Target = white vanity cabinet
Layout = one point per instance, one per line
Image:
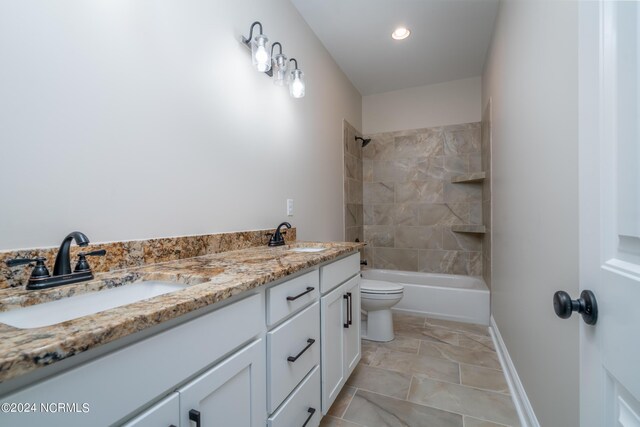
(340, 325)
(118, 384)
(276, 356)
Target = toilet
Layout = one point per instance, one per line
(377, 298)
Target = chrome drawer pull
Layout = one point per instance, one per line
(309, 289)
(310, 342)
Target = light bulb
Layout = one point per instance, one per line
(296, 85)
(297, 88)
(261, 57)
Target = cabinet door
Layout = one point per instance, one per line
(231, 394)
(163, 414)
(352, 333)
(332, 327)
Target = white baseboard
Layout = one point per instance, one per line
(520, 399)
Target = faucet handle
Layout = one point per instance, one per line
(21, 261)
(98, 252)
(82, 264)
(39, 271)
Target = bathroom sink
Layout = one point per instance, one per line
(308, 249)
(74, 307)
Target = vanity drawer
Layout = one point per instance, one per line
(290, 296)
(293, 349)
(331, 275)
(302, 405)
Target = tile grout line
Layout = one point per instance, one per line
(455, 329)
(458, 331)
(409, 390)
(457, 346)
(350, 401)
(480, 388)
(488, 350)
(377, 392)
(480, 419)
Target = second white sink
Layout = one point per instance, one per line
(308, 249)
(51, 313)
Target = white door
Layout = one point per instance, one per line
(609, 88)
(231, 394)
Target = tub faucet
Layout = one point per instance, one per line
(63, 259)
(277, 239)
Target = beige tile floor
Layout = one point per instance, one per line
(435, 373)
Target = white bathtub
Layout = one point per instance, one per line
(443, 296)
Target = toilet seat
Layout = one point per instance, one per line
(378, 287)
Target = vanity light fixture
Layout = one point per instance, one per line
(275, 66)
(400, 33)
(260, 52)
(296, 81)
(280, 65)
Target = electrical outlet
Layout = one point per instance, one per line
(289, 207)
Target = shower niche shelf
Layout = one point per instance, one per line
(468, 178)
(469, 228)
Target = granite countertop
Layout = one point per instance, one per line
(211, 279)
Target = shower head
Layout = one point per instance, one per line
(364, 141)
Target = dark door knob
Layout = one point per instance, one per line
(585, 305)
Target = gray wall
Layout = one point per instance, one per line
(152, 112)
(531, 78)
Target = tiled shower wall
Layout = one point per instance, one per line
(410, 204)
(352, 184)
(486, 193)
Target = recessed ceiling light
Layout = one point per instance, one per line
(400, 33)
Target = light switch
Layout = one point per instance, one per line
(289, 207)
